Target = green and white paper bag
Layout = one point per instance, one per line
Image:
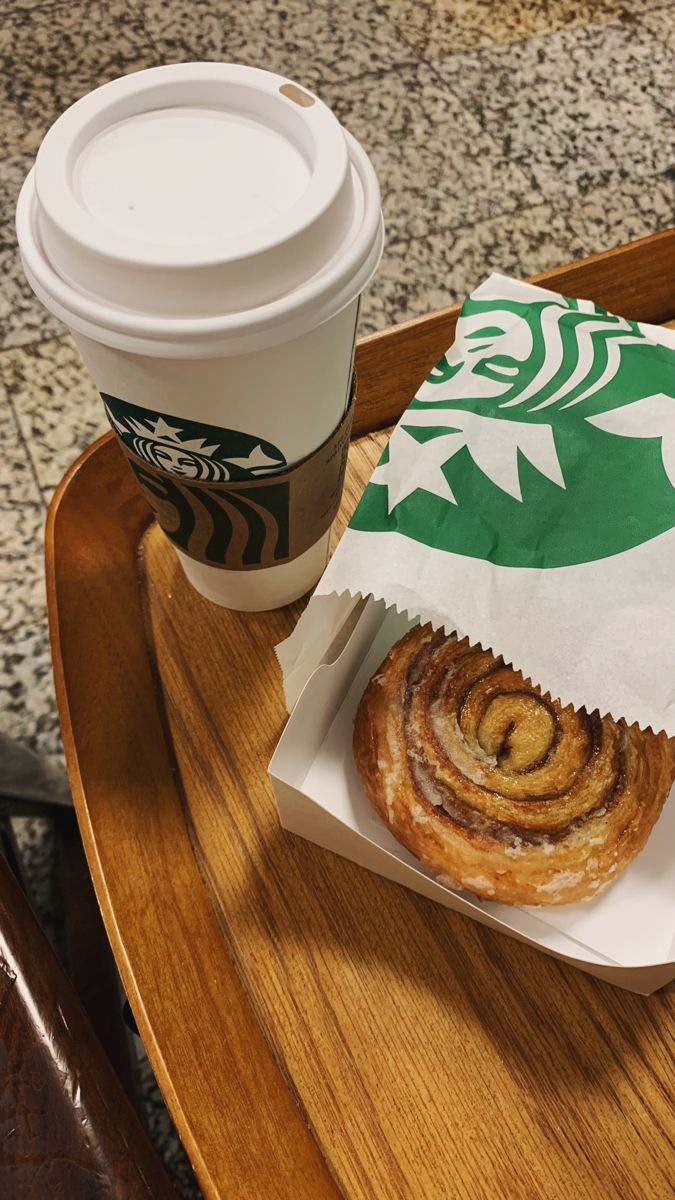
(527, 499)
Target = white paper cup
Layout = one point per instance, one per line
(205, 230)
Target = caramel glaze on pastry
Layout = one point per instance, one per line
(497, 788)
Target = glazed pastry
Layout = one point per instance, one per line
(497, 788)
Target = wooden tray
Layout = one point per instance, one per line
(318, 1031)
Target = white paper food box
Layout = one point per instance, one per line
(319, 797)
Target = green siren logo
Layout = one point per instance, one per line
(191, 449)
(545, 437)
(219, 494)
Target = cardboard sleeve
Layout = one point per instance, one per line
(251, 523)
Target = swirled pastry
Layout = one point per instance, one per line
(497, 788)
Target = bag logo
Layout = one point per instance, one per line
(544, 437)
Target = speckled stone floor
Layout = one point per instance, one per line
(507, 135)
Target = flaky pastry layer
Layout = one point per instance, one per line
(497, 788)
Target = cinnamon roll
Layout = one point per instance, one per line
(497, 788)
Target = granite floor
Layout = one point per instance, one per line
(507, 134)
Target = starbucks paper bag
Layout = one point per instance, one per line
(527, 499)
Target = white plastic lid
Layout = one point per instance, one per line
(199, 209)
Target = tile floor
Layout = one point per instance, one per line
(507, 134)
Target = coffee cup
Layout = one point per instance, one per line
(205, 230)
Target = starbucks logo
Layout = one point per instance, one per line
(220, 495)
(191, 449)
(545, 437)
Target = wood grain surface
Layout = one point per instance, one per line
(316, 1030)
(423, 1049)
(238, 1119)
